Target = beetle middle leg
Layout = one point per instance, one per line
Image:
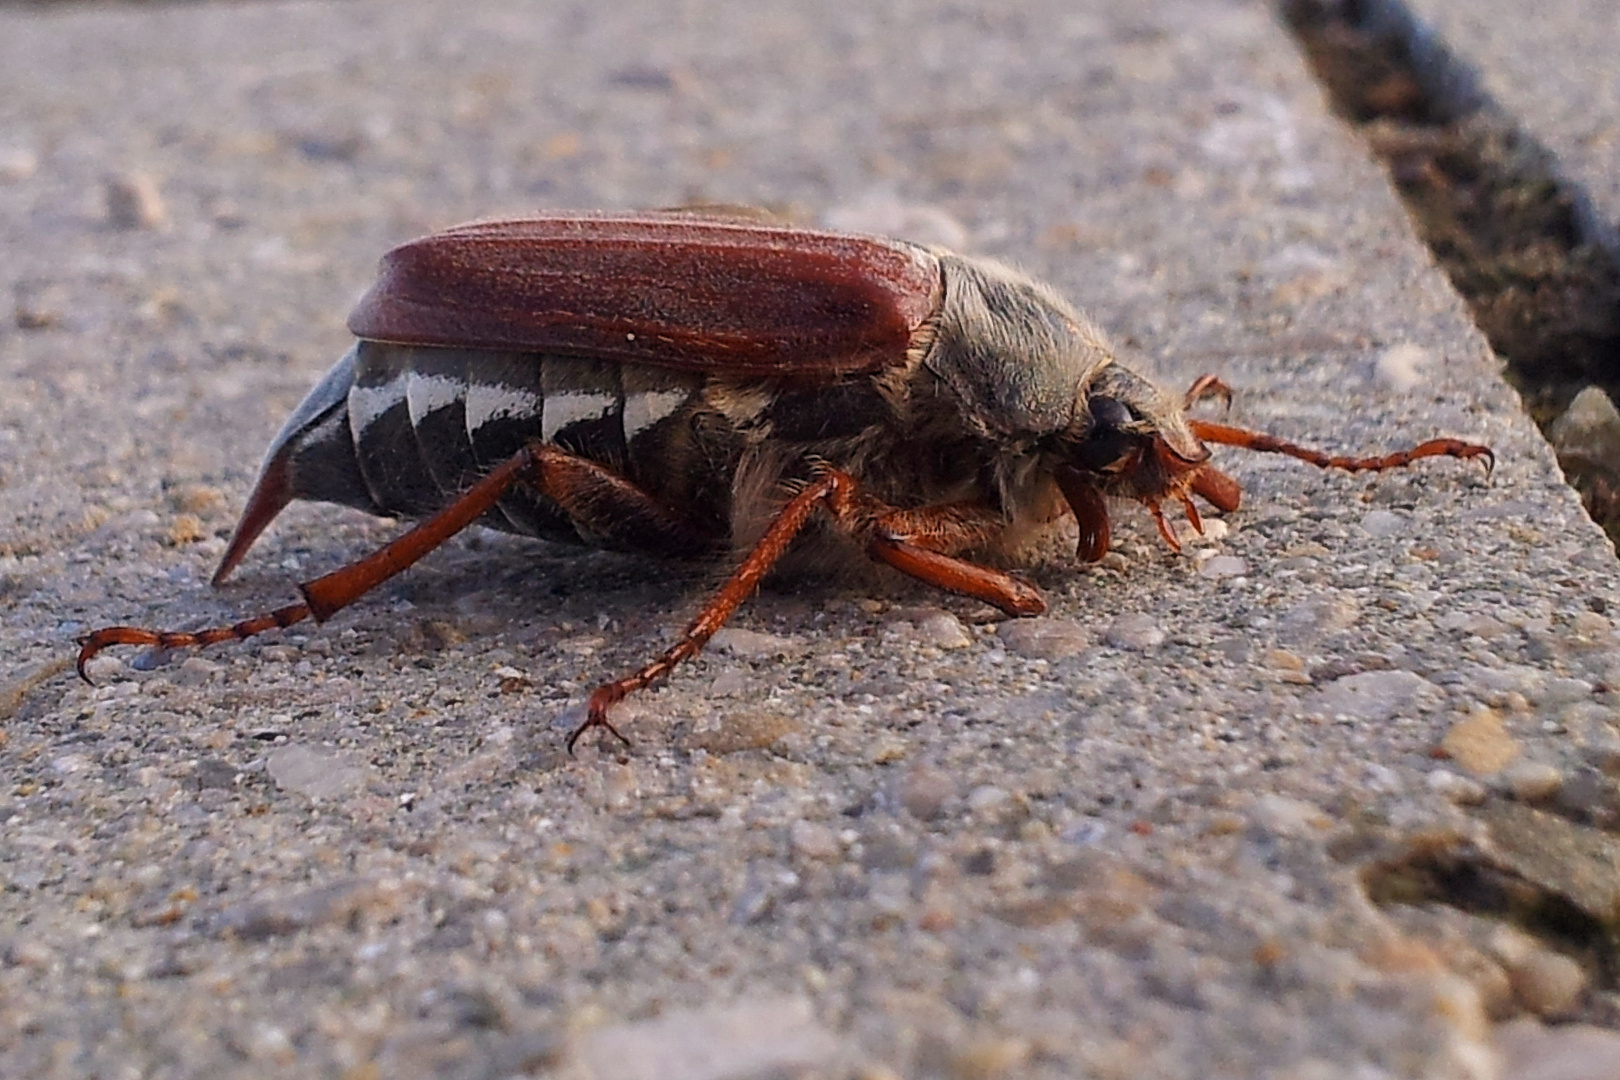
(918, 542)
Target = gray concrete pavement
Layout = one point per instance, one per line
(1153, 834)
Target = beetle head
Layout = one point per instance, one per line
(1130, 440)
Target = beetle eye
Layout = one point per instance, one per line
(1105, 447)
(1107, 412)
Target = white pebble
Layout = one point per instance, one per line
(813, 841)
(1400, 367)
(1547, 983)
(943, 630)
(315, 772)
(1532, 781)
(1375, 696)
(1383, 523)
(1456, 788)
(751, 644)
(1222, 566)
(986, 797)
(1134, 632)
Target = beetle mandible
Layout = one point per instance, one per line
(688, 384)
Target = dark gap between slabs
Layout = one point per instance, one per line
(1517, 241)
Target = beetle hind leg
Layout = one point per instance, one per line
(591, 494)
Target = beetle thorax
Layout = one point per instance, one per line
(1016, 354)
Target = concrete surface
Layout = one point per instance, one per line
(870, 835)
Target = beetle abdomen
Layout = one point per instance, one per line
(402, 430)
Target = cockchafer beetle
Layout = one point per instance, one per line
(689, 384)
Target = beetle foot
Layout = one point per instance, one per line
(596, 715)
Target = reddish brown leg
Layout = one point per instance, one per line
(922, 549)
(914, 542)
(742, 583)
(923, 543)
(1217, 489)
(577, 485)
(1090, 510)
(1254, 440)
(1164, 526)
(1192, 514)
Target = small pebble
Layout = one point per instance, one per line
(1383, 523)
(1374, 696)
(885, 749)
(195, 670)
(1562, 690)
(1480, 743)
(751, 644)
(1474, 623)
(184, 529)
(511, 680)
(1318, 618)
(1591, 627)
(1288, 816)
(1455, 788)
(1044, 639)
(943, 630)
(812, 840)
(1400, 367)
(1283, 660)
(1137, 632)
(1589, 430)
(315, 772)
(987, 798)
(1223, 566)
(729, 684)
(265, 1042)
(1532, 781)
(134, 202)
(1114, 561)
(1214, 531)
(924, 791)
(1547, 983)
(889, 892)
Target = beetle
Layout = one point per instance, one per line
(687, 384)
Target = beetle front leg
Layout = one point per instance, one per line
(1227, 435)
(921, 543)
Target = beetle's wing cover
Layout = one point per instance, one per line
(681, 290)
